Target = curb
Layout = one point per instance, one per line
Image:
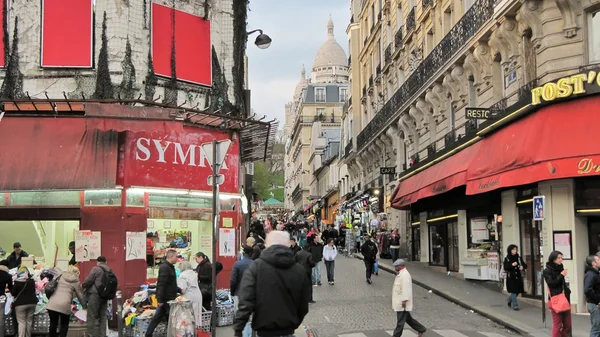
(457, 301)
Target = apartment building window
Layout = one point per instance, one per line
(372, 16)
(320, 111)
(594, 36)
(447, 20)
(429, 42)
(379, 52)
(320, 94)
(343, 94)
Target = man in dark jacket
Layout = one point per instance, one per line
(369, 253)
(5, 278)
(591, 289)
(14, 259)
(274, 290)
(96, 316)
(239, 267)
(315, 248)
(294, 246)
(166, 290)
(304, 258)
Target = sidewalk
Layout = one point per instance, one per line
(486, 302)
(227, 331)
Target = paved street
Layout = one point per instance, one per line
(353, 308)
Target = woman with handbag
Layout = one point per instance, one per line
(560, 302)
(59, 303)
(25, 301)
(514, 267)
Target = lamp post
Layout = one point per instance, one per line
(263, 41)
(215, 154)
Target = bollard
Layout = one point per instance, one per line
(119, 313)
(2, 319)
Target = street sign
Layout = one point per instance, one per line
(387, 170)
(539, 205)
(478, 113)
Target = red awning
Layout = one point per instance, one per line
(559, 141)
(439, 178)
(55, 153)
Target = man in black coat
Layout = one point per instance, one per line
(14, 259)
(166, 290)
(294, 246)
(304, 258)
(274, 290)
(315, 248)
(369, 253)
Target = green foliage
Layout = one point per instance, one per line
(262, 180)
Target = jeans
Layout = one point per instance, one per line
(25, 319)
(512, 299)
(561, 323)
(369, 265)
(160, 314)
(394, 252)
(595, 319)
(247, 332)
(404, 317)
(55, 316)
(96, 316)
(316, 273)
(330, 265)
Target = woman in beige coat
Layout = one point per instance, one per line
(59, 305)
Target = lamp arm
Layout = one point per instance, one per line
(254, 31)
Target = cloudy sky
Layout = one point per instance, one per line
(298, 28)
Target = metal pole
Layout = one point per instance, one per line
(215, 187)
(538, 224)
(119, 313)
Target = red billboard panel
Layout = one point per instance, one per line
(176, 160)
(193, 62)
(67, 33)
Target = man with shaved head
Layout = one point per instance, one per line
(274, 290)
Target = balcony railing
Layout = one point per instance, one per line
(398, 39)
(387, 54)
(348, 149)
(410, 20)
(427, 3)
(453, 42)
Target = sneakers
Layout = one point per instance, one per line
(319, 284)
(369, 281)
(331, 283)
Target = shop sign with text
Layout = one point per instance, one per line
(387, 170)
(175, 160)
(574, 85)
(478, 113)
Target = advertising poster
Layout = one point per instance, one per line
(205, 238)
(226, 242)
(135, 246)
(87, 246)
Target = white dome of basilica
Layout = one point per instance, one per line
(331, 62)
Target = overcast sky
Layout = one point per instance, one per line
(298, 28)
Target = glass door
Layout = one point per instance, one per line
(529, 251)
(438, 245)
(416, 243)
(453, 260)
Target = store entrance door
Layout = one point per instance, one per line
(594, 234)
(416, 243)
(453, 262)
(530, 251)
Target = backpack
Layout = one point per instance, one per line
(50, 288)
(108, 289)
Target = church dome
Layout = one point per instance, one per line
(330, 53)
(303, 83)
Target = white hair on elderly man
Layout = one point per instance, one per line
(278, 238)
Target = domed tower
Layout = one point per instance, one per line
(301, 84)
(331, 63)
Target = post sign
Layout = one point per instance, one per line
(477, 113)
(539, 205)
(387, 170)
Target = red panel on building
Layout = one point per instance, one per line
(2, 60)
(559, 141)
(193, 62)
(67, 33)
(55, 153)
(175, 160)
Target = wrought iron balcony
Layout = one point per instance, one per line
(453, 42)
(398, 38)
(410, 20)
(387, 54)
(427, 3)
(348, 149)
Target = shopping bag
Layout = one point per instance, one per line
(558, 303)
(376, 267)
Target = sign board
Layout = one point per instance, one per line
(227, 242)
(478, 113)
(135, 246)
(539, 205)
(87, 246)
(494, 266)
(566, 87)
(387, 170)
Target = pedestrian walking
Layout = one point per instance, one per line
(188, 284)
(294, 246)
(402, 301)
(5, 278)
(236, 279)
(329, 254)
(95, 287)
(369, 253)
(554, 275)
(25, 301)
(315, 248)
(514, 268)
(591, 289)
(304, 258)
(395, 244)
(275, 290)
(59, 305)
(166, 290)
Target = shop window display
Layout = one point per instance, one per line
(438, 244)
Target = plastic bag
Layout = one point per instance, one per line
(376, 267)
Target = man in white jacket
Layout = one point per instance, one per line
(402, 302)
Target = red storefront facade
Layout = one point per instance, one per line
(119, 157)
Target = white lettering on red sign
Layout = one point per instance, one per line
(176, 153)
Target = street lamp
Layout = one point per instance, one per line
(263, 41)
(215, 154)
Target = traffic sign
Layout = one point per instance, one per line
(539, 208)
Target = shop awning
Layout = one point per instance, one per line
(439, 178)
(55, 153)
(559, 141)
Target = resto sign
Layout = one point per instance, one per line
(477, 113)
(175, 160)
(566, 87)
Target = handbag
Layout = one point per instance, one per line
(558, 303)
(50, 288)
